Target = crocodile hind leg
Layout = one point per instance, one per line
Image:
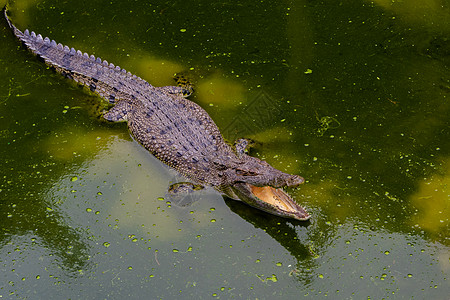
(118, 112)
(182, 91)
(185, 83)
(183, 87)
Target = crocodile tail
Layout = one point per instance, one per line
(110, 82)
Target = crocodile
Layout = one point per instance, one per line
(174, 129)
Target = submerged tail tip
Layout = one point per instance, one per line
(16, 31)
(5, 13)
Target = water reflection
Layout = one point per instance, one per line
(280, 229)
(30, 223)
(285, 232)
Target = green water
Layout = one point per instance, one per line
(354, 96)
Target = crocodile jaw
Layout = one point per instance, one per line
(272, 200)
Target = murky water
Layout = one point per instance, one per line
(352, 96)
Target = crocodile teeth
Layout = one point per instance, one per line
(33, 34)
(27, 32)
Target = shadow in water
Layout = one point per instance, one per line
(282, 230)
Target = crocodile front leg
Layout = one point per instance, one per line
(242, 146)
(182, 193)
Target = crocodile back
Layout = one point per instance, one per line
(181, 134)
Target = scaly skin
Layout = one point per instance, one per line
(177, 131)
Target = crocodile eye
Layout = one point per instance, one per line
(245, 173)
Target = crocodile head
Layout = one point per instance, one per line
(258, 184)
(257, 172)
(272, 200)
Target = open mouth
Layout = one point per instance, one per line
(272, 200)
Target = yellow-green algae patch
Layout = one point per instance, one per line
(285, 157)
(157, 71)
(430, 13)
(217, 89)
(432, 201)
(70, 142)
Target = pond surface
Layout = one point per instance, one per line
(353, 95)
